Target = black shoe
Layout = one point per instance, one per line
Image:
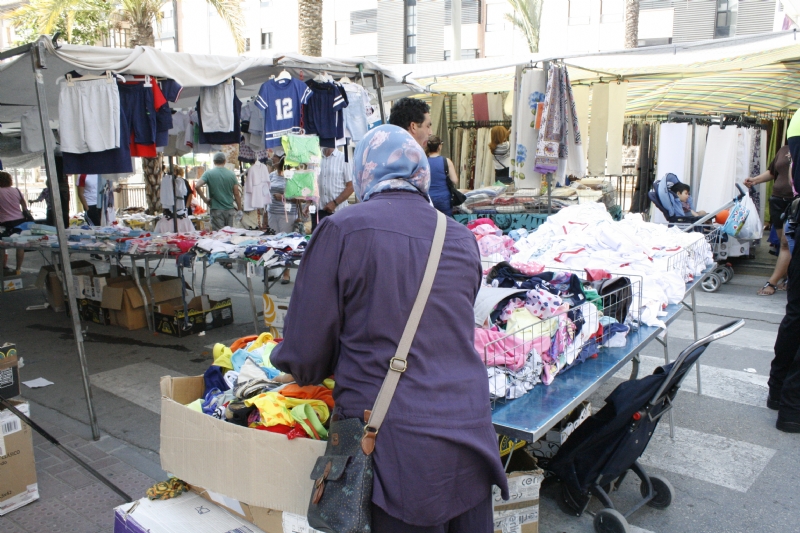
(787, 426)
(773, 403)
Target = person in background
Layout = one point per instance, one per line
(439, 192)
(179, 173)
(414, 116)
(87, 194)
(335, 185)
(683, 191)
(223, 192)
(12, 214)
(501, 151)
(782, 194)
(436, 456)
(281, 213)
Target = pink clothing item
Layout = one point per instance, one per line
(596, 274)
(9, 204)
(480, 107)
(486, 229)
(529, 269)
(478, 221)
(543, 304)
(508, 351)
(493, 244)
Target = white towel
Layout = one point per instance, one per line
(673, 156)
(719, 169)
(580, 94)
(598, 130)
(495, 101)
(463, 107)
(532, 86)
(617, 98)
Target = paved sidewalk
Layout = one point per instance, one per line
(70, 499)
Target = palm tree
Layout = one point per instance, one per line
(310, 21)
(631, 23)
(527, 17)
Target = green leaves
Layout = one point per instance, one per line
(527, 17)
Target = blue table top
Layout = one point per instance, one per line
(531, 416)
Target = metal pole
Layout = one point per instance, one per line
(174, 197)
(455, 21)
(38, 63)
(378, 85)
(692, 177)
(549, 175)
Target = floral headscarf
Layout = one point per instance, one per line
(388, 157)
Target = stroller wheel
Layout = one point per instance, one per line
(663, 492)
(610, 521)
(725, 274)
(712, 283)
(729, 269)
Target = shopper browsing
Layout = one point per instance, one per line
(442, 169)
(224, 197)
(13, 210)
(87, 193)
(335, 184)
(281, 212)
(501, 152)
(414, 116)
(435, 457)
(782, 194)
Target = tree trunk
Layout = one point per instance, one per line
(310, 22)
(142, 34)
(631, 23)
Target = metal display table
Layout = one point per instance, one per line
(530, 417)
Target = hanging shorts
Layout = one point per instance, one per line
(216, 107)
(89, 116)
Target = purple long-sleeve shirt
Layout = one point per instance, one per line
(436, 454)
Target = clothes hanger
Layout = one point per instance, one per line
(239, 80)
(108, 75)
(344, 79)
(284, 75)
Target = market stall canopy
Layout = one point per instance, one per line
(193, 71)
(755, 73)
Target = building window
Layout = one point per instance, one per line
(266, 40)
(727, 15)
(496, 17)
(471, 53)
(247, 44)
(580, 12)
(612, 11)
(365, 21)
(411, 31)
(470, 12)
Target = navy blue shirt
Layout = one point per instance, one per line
(436, 455)
(323, 105)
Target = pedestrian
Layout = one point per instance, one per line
(335, 185)
(436, 456)
(87, 193)
(779, 171)
(13, 212)
(442, 169)
(224, 197)
(501, 152)
(281, 213)
(414, 116)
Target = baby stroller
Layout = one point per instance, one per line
(668, 203)
(598, 455)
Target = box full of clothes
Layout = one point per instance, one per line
(241, 401)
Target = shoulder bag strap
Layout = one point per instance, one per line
(398, 363)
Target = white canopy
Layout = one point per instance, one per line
(192, 71)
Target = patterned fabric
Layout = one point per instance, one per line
(389, 158)
(755, 170)
(164, 490)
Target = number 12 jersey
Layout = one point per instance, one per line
(281, 102)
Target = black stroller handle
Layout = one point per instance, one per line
(742, 192)
(717, 334)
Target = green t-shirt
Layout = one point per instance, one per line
(794, 126)
(221, 182)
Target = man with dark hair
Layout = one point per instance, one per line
(414, 116)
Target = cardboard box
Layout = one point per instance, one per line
(13, 284)
(188, 513)
(270, 520)
(276, 474)
(17, 464)
(125, 302)
(54, 291)
(521, 512)
(275, 310)
(90, 311)
(9, 371)
(204, 315)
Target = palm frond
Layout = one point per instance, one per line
(45, 13)
(232, 14)
(527, 16)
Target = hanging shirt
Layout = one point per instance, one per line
(356, 112)
(334, 175)
(89, 184)
(256, 187)
(280, 100)
(167, 196)
(322, 108)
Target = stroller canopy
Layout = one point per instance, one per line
(666, 200)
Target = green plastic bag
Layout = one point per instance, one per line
(301, 185)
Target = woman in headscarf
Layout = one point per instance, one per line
(436, 456)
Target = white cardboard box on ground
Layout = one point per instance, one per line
(520, 514)
(188, 513)
(14, 284)
(17, 464)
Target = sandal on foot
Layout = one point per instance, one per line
(783, 284)
(762, 291)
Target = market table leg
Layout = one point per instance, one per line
(138, 283)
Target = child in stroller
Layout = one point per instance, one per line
(669, 195)
(682, 191)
